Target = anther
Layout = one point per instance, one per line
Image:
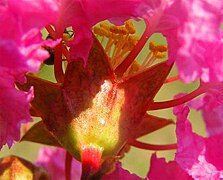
(67, 37)
(104, 25)
(122, 30)
(129, 26)
(101, 31)
(114, 29)
(157, 47)
(159, 55)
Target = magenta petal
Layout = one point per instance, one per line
(53, 160)
(194, 38)
(214, 120)
(204, 170)
(20, 52)
(22, 34)
(195, 154)
(14, 110)
(211, 106)
(162, 170)
(82, 44)
(119, 174)
(33, 14)
(186, 156)
(214, 151)
(200, 54)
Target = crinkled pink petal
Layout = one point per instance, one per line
(214, 151)
(162, 170)
(214, 120)
(203, 170)
(189, 145)
(83, 14)
(14, 110)
(200, 41)
(192, 29)
(197, 155)
(20, 52)
(119, 174)
(211, 106)
(53, 160)
(33, 14)
(21, 23)
(206, 60)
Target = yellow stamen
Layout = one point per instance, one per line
(121, 40)
(157, 47)
(104, 25)
(160, 55)
(67, 37)
(129, 26)
(114, 29)
(101, 31)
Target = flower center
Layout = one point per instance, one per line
(119, 41)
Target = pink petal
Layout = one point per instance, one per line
(186, 156)
(192, 29)
(197, 155)
(204, 170)
(22, 34)
(119, 174)
(211, 106)
(162, 170)
(35, 14)
(14, 110)
(214, 151)
(53, 160)
(21, 52)
(199, 54)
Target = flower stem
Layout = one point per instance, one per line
(66, 53)
(68, 164)
(50, 31)
(119, 71)
(153, 147)
(58, 70)
(172, 79)
(172, 103)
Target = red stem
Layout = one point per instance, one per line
(172, 79)
(68, 164)
(119, 71)
(50, 31)
(66, 53)
(153, 147)
(58, 70)
(181, 100)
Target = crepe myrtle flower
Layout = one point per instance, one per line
(22, 46)
(98, 106)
